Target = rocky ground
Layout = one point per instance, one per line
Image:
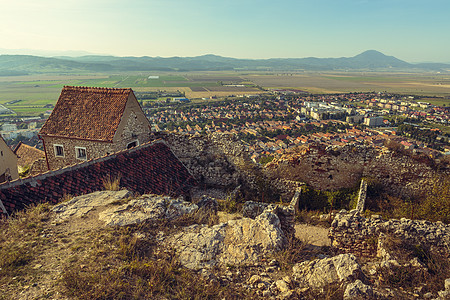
(110, 245)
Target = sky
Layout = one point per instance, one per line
(411, 30)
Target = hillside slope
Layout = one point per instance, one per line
(369, 61)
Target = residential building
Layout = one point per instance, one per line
(89, 122)
(373, 121)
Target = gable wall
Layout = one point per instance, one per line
(133, 126)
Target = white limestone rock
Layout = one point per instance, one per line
(236, 242)
(82, 205)
(319, 273)
(144, 208)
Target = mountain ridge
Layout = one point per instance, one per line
(370, 60)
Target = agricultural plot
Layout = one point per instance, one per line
(231, 89)
(198, 89)
(213, 78)
(419, 84)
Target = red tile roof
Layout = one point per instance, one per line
(27, 154)
(149, 168)
(87, 113)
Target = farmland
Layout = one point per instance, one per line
(34, 92)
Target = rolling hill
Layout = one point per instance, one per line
(370, 60)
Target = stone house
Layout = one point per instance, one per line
(8, 163)
(90, 122)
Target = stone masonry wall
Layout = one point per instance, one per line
(351, 232)
(332, 168)
(93, 150)
(215, 159)
(134, 129)
(38, 167)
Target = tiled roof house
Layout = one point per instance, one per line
(27, 155)
(90, 122)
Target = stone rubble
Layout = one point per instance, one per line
(286, 214)
(249, 241)
(351, 232)
(445, 294)
(359, 291)
(319, 273)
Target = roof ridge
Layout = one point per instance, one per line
(93, 88)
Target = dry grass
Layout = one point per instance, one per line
(111, 183)
(66, 197)
(21, 240)
(96, 262)
(294, 252)
(431, 276)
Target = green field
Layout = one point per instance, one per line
(437, 101)
(35, 91)
(118, 81)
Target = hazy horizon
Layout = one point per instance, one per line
(412, 31)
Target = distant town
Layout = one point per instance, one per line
(278, 122)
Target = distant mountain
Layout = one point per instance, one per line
(367, 61)
(26, 64)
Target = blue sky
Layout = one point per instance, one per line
(412, 30)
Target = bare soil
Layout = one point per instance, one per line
(312, 235)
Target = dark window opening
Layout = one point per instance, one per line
(81, 153)
(59, 150)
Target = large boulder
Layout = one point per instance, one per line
(116, 208)
(146, 207)
(82, 205)
(236, 242)
(319, 273)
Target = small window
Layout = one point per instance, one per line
(132, 144)
(81, 153)
(59, 150)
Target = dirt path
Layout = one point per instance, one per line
(313, 235)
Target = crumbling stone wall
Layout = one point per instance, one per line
(286, 214)
(352, 233)
(331, 168)
(287, 187)
(215, 159)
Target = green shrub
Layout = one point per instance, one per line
(436, 205)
